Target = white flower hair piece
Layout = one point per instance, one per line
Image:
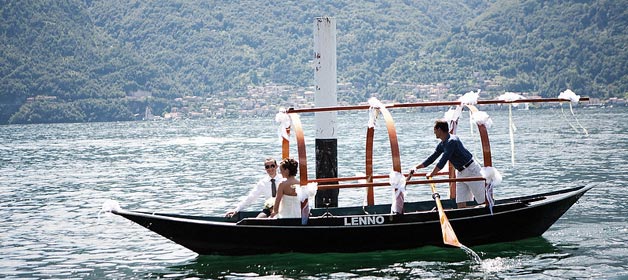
(470, 98)
(569, 95)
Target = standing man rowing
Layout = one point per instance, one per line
(453, 151)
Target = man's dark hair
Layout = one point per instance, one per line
(442, 125)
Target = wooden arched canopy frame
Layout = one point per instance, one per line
(392, 134)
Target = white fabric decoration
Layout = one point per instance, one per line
(569, 95)
(471, 122)
(510, 97)
(307, 191)
(491, 175)
(373, 113)
(511, 132)
(481, 117)
(284, 123)
(374, 102)
(453, 115)
(470, 98)
(398, 184)
(493, 178)
(373, 110)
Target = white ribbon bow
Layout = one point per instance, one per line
(307, 191)
(510, 97)
(398, 184)
(569, 95)
(574, 98)
(470, 98)
(284, 123)
(375, 104)
(493, 178)
(481, 117)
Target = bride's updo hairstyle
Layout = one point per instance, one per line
(291, 165)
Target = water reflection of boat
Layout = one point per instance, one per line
(364, 263)
(371, 227)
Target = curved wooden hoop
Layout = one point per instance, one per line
(394, 149)
(370, 195)
(392, 136)
(298, 130)
(285, 145)
(486, 145)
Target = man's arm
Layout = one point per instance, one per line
(434, 172)
(253, 194)
(431, 158)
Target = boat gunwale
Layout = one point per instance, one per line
(555, 196)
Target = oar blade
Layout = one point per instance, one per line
(449, 236)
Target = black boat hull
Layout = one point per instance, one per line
(351, 230)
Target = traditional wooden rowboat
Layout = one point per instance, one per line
(351, 229)
(370, 227)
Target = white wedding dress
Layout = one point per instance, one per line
(289, 207)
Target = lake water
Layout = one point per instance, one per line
(54, 179)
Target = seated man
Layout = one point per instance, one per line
(266, 186)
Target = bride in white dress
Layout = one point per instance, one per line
(287, 203)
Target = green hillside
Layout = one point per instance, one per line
(536, 46)
(77, 61)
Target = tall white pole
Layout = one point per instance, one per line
(325, 96)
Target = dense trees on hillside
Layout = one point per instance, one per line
(547, 50)
(91, 54)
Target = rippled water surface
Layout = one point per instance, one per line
(55, 178)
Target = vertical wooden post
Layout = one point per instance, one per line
(326, 96)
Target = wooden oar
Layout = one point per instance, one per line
(449, 236)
